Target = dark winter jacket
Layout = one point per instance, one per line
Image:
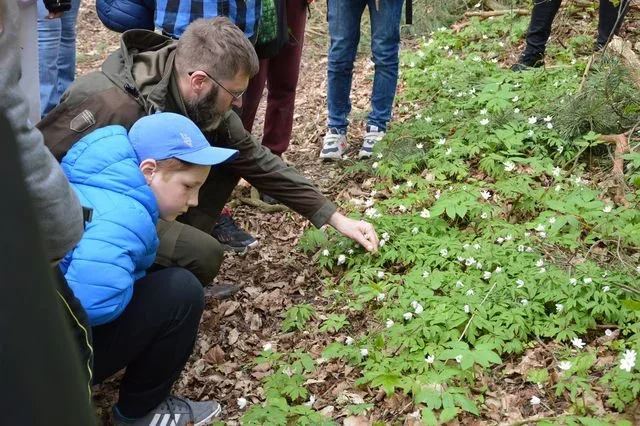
(138, 79)
(123, 15)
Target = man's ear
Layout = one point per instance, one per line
(148, 168)
(197, 81)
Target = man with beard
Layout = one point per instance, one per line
(201, 75)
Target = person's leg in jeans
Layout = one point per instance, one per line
(538, 33)
(344, 31)
(610, 19)
(153, 338)
(57, 54)
(67, 51)
(385, 44)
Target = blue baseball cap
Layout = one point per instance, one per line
(168, 135)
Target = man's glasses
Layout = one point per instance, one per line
(236, 96)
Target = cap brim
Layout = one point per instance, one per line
(209, 156)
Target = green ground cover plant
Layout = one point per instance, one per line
(498, 234)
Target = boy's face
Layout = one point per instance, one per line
(177, 191)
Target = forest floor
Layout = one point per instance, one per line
(277, 275)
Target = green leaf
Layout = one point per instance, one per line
(449, 414)
(388, 382)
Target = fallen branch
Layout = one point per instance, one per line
(482, 15)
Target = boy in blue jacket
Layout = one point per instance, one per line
(144, 322)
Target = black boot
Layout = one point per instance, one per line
(538, 34)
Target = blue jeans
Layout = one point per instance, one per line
(344, 29)
(56, 54)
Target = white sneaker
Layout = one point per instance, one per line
(333, 145)
(371, 136)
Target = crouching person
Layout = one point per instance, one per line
(144, 322)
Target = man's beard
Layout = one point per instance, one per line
(204, 113)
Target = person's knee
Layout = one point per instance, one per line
(208, 259)
(186, 290)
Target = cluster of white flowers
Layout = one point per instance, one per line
(418, 309)
(628, 360)
(486, 275)
(466, 309)
(380, 274)
(535, 400)
(470, 292)
(348, 340)
(325, 252)
(380, 297)
(389, 323)
(364, 352)
(565, 365)
(484, 121)
(372, 213)
(559, 307)
(607, 209)
(419, 146)
(485, 194)
(425, 274)
(578, 343)
(429, 359)
(519, 283)
(407, 316)
(444, 252)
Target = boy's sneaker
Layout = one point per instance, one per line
(333, 145)
(174, 411)
(231, 236)
(371, 137)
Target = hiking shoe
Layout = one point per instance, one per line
(527, 61)
(371, 136)
(231, 236)
(221, 290)
(174, 411)
(333, 145)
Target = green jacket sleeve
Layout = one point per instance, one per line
(268, 173)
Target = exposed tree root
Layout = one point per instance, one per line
(621, 142)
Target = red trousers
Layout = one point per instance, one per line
(280, 74)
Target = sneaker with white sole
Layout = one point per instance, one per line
(174, 411)
(333, 145)
(371, 137)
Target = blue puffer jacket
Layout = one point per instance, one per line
(123, 15)
(120, 243)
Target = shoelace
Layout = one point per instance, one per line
(171, 405)
(226, 223)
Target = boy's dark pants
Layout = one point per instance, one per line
(542, 18)
(153, 338)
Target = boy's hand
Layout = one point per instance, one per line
(358, 230)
